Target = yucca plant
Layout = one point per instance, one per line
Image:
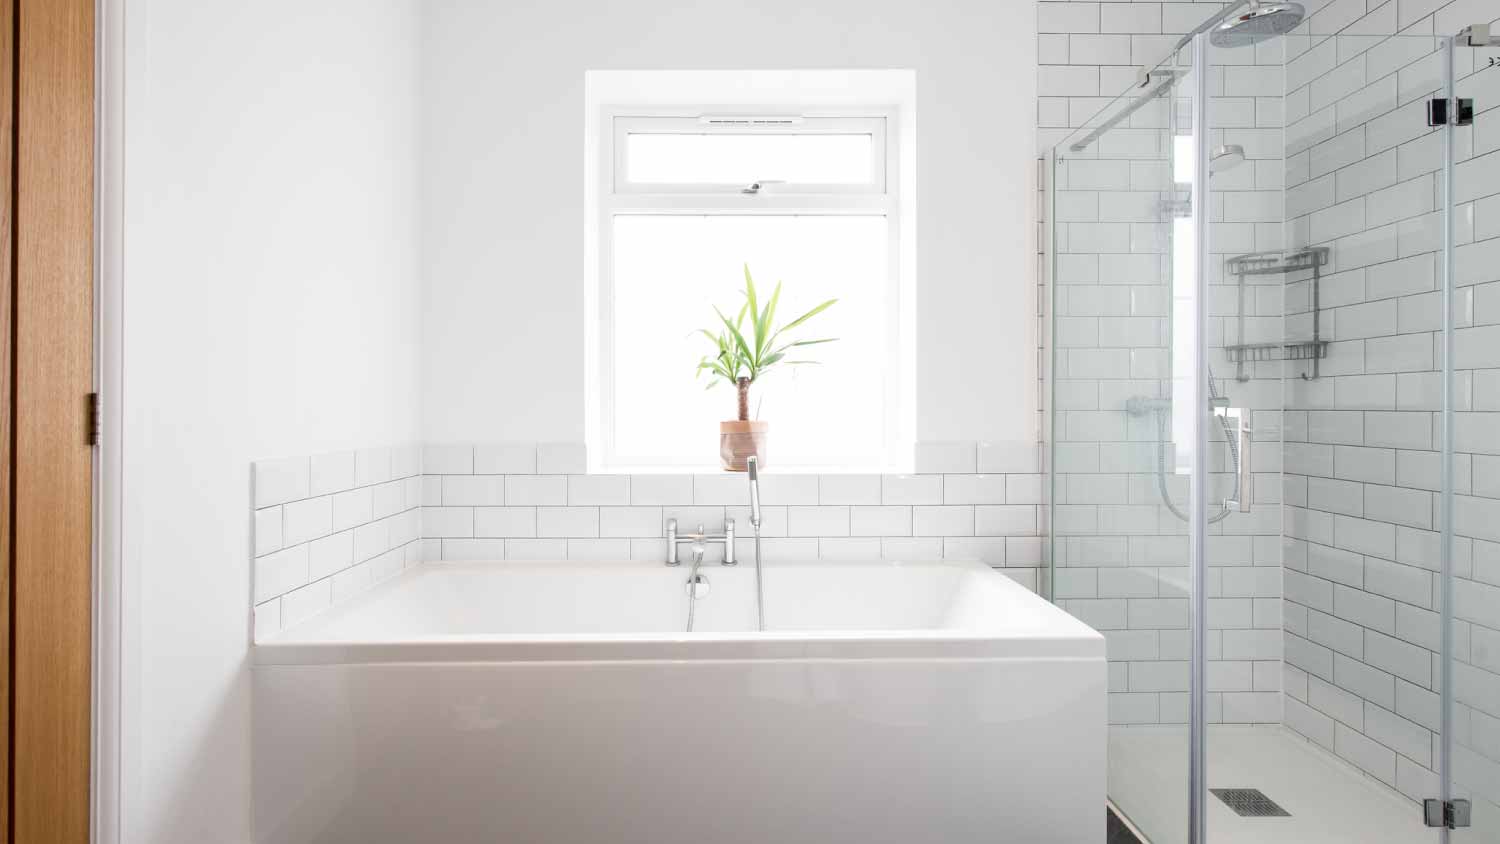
(741, 357)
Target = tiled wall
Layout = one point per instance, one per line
(1363, 479)
(1121, 554)
(974, 501)
(330, 525)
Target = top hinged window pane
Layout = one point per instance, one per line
(729, 153)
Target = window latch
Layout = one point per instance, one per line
(754, 187)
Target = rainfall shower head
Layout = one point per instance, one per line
(1257, 23)
(1226, 157)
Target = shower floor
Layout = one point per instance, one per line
(1329, 801)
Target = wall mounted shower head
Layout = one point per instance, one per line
(1257, 23)
(1226, 157)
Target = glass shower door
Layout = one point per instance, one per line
(1471, 418)
(1119, 551)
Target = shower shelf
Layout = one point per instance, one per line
(1303, 350)
(1270, 263)
(1279, 263)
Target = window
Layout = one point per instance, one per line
(687, 197)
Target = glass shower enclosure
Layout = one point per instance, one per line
(1274, 449)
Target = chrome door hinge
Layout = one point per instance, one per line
(1440, 111)
(93, 419)
(1452, 814)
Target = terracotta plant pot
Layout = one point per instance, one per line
(740, 440)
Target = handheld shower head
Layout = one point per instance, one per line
(750, 466)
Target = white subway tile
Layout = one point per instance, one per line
(404, 527)
(473, 490)
(1023, 489)
(388, 499)
(306, 519)
(280, 572)
(330, 554)
(580, 522)
(536, 490)
(354, 507)
(1005, 520)
(267, 530)
(849, 489)
(642, 522)
(447, 522)
(788, 489)
(818, 521)
(911, 489)
(598, 489)
(880, 521)
(720, 490)
(661, 489)
(974, 489)
(1131, 17)
(943, 521)
(373, 539)
(504, 521)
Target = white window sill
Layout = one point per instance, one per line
(772, 469)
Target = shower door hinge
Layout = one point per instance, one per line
(1452, 814)
(93, 419)
(1439, 112)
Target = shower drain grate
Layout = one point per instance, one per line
(1250, 803)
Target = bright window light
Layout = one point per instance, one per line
(675, 228)
(660, 158)
(671, 271)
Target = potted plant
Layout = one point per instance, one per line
(742, 358)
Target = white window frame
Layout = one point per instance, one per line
(616, 196)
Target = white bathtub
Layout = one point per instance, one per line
(563, 703)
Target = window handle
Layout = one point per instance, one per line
(754, 187)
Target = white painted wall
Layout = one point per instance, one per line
(271, 308)
(503, 192)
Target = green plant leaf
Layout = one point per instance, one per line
(755, 315)
(807, 316)
(763, 341)
(747, 354)
(739, 341)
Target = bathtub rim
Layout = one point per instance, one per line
(1064, 637)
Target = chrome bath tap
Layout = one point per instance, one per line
(726, 539)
